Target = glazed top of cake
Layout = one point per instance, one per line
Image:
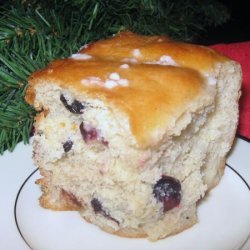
(152, 79)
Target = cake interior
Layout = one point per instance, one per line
(90, 160)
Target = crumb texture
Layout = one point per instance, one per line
(133, 131)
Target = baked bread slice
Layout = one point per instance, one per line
(133, 131)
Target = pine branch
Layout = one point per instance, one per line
(33, 33)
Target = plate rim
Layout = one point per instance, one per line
(15, 206)
(33, 172)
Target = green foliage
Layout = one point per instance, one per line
(33, 33)
(181, 19)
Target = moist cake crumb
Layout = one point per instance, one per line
(134, 150)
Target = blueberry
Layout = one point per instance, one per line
(67, 146)
(75, 107)
(98, 209)
(97, 206)
(168, 191)
(88, 135)
(33, 130)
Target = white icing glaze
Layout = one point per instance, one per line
(211, 80)
(80, 56)
(164, 60)
(136, 53)
(123, 82)
(124, 66)
(114, 76)
(92, 80)
(167, 60)
(85, 46)
(113, 80)
(110, 84)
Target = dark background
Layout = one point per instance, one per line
(237, 29)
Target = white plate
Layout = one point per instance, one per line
(224, 216)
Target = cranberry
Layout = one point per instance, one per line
(168, 191)
(104, 142)
(75, 107)
(71, 197)
(89, 134)
(67, 146)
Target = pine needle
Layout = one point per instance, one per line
(33, 33)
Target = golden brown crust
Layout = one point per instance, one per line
(148, 94)
(124, 232)
(64, 203)
(121, 46)
(59, 200)
(155, 96)
(139, 233)
(30, 94)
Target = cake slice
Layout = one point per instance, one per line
(133, 131)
